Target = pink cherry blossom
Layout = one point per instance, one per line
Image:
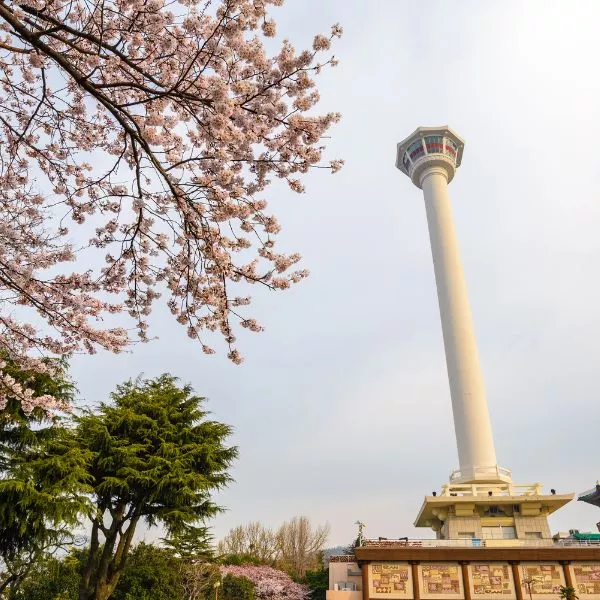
(158, 125)
(269, 583)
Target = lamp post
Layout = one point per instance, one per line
(216, 586)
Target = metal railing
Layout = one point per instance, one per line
(491, 471)
(342, 558)
(573, 542)
(496, 489)
(479, 543)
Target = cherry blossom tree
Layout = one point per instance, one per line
(159, 124)
(269, 583)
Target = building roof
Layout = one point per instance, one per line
(434, 506)
(591, 496)
(426, 553)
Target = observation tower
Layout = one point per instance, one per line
(430, 156)
(492, 538)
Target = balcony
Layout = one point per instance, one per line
(491, 473)
(496, 489)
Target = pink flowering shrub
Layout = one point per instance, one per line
(159, 123)
(269, 583)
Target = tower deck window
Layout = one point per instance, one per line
(434, 144)
(416, 150)
(406, 161)
(450, 148)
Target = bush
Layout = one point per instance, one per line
(237, 588)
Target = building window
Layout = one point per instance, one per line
(494, 511)
(466, 535)
(406, 162)
(434, 144)
(416, 150)
(451, 148)
(499, 533)
(533, 535)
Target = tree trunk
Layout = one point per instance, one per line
(103, 591)
(102, 583)
(86, 586)
(85, 593)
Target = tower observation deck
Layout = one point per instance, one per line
(480, 499)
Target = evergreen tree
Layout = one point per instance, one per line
(152, 573)
(317, 581)
(237, 588)
(155, 458)
(42, 477)
(191, 543)
(51, 578)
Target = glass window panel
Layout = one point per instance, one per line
(406, 161)
(450, 148)
(434, 144)
(416, 150)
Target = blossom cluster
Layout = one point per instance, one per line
(161, 123)
(269, 583)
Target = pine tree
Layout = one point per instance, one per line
(42, 477)
(155, 458)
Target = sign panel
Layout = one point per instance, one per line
(586, 579)
(440, 580)
(390, 580)
(491, 580)
(543, 580)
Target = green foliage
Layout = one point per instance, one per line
(152, 455)
(236, 588)
(42, 477)
(152, 573)
(317, 580)
(51, 579)
(191, 542)
(568, 593)
(154, 451)
(156, 458)
(240, 559)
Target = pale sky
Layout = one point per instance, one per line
(342, 406)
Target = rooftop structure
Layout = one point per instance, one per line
(591, 496)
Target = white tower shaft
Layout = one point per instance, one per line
(474, 440)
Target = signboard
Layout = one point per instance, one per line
(491, 580)
(586, 579)
(546, 580)
(390, 580)
(440, 580)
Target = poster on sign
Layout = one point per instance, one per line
(391, 580)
